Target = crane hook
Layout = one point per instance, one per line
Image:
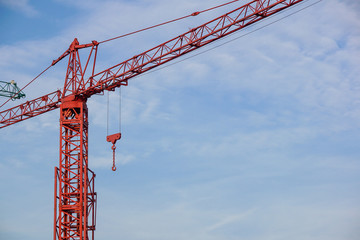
(113, 166)
(113, 138)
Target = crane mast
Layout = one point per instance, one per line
(75, 196)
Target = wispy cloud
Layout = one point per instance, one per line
(22, 6)
(229, 220)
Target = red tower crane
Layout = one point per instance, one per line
(75, 197)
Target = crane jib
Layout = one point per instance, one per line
(195, 38)
(119, 74)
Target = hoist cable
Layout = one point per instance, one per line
(107, 114)
(108, 122)
(120, 109)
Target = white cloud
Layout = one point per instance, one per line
(22, 6)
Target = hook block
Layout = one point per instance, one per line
(113, 138)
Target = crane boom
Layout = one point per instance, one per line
(195, 38)
(119, 74)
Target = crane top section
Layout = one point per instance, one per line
(11, 90)
(74, 46)
(77, 86)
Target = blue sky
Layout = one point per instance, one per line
(256, 139)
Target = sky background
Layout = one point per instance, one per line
(257, 139)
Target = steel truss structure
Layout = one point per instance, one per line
(75, 197)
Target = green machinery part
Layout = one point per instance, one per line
(11, 90)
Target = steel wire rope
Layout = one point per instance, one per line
(170, 21)
(241, 36)
(108, 112)
(120, 109)
(26, 85)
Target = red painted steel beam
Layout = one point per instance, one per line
(30, 109)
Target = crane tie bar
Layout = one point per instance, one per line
(173, 20)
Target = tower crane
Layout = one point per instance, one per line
(10, 90)
(75, 198)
